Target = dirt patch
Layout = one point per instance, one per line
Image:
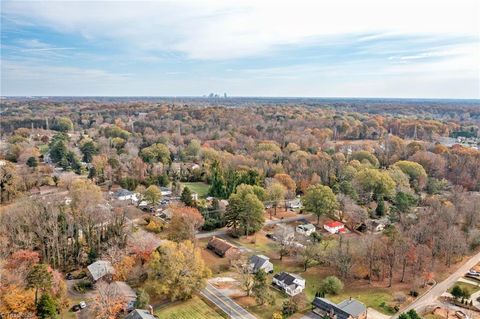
(216, 263)
(245, 301)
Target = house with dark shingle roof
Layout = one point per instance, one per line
(222, 247)
(258, 262)
(347, 309)
(291, 284)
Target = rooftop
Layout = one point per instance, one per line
(100, 268)
(334, 224)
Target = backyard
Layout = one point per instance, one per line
(198, 187)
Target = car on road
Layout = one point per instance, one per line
(82, 305)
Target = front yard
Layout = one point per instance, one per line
(194, 308)
(464, 285)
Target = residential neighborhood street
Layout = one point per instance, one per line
(431, 296)
(230, 307)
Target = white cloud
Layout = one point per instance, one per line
(164, 34)
(18, 78)
(232, 29)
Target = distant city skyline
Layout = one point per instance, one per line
(332, 48)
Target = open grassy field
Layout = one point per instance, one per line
(198, 187)
(194, 308)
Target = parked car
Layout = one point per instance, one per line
(472, 272)
(82, 305)
(75, 308)
(69, 276)
(271, 236)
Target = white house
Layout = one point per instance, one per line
(294, 203)
(306, 229)
(334, 227)
(123, 194)
(377, 226)
(165, 191)
(291, 284)
(260, 262)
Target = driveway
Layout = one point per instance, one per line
(230, 307)
(431, 296)
(224, 231)
(75, 295)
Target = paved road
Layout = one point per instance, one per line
(221, 232)
(431, 296)
(230, 307)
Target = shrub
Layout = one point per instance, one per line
(154, 226)
(289, 307)
(331, 285)
(143, 298)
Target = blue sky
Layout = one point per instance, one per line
(329, 48)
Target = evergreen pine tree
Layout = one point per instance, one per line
(46, 307)
(186, 197)
(380, 210)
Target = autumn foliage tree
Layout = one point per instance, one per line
(176, 270)
(185, 223)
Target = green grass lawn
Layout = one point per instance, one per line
(43, 148)
(266, 311)
(472, 288)
(198, 187)
(194, 308)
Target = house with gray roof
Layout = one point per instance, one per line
(258, 262)
(291, 284)
(101, 269)
(347, 309)
(141, 314)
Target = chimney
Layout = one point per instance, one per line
(150, 309)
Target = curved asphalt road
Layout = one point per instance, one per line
(230, 307)
(431, 296)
